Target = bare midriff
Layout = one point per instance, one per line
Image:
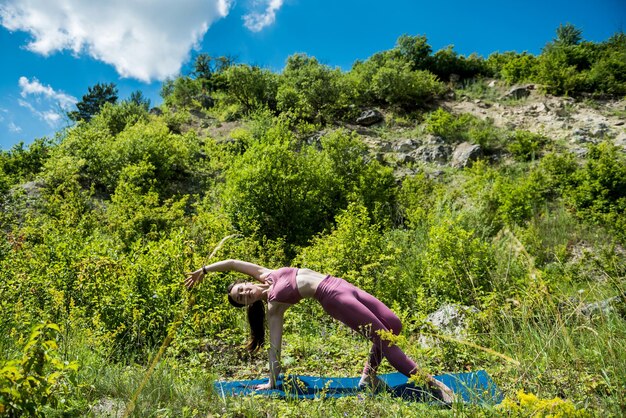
(307, 282)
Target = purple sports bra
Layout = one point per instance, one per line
(283, 288)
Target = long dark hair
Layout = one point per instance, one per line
(256, 319)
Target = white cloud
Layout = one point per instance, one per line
(13, 128)
(34, 87)
(145, 40)
(49, 105)
(257, 21)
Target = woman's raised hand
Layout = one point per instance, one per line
(263, 276)
(193, 278)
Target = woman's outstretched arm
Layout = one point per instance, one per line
(253, 270)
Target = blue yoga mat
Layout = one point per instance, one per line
(475, 387)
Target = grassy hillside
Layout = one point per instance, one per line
(100, 225)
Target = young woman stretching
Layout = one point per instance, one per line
(286, 286)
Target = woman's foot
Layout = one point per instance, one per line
(441, 392)
(371, 382)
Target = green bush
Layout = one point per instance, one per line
(251, 87)
(22, 163)
(354, 250)
(104, 154)
(40, 379)
(456, 265)
(136, 210)
(118, 117)
(310, 90)
(448, 126)
(526, 146)
(182, 92)
(521, 68)
(396, 84)
(279, 191)
(598, 192)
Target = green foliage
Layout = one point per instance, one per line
(310, 90)
(137, 98)
(105, 152)
(396, 84)
(184, 92)
(525, 146)
(93, 101)
(558, 75)
(417, 197)
(136, 210)
(415, 50)
(448, 126)
(251, 87)
(447, 62)
(354, 250)
(118, 117)
(209, 71)
(457, 265)
(275, 190)
(520, 68)
(599, 189)
(22, 163)
(40, 379)
(568, 35)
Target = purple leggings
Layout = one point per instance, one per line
(365, 314)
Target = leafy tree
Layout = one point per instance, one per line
(209, 71)
(396, 84)
(182, 91)
(22, 163)
(91, 103)
(415, 50)
(139, 99)
(523, 67)
(568, 35)
(312, 91)
(251, 87)
(277, 189)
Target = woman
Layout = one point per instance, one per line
(286, 286)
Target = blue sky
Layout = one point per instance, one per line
(54, 49)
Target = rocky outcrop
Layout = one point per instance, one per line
(603, 307)
(518, 92)
(465, 154)
(370, 117)
(449, 320)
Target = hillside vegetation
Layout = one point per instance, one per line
(360, 174)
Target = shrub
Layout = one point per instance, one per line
(450, 127)
(279, 191)
(22, 163)
(182, 92)
(40, 379)
(104, 154)
(599, 188)
(310, 90)
(525, 146)
(136, 211)
(457, 264)
(118, 117)
(417, 197)
(396, 84)
(251, 87)
(521, 68)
